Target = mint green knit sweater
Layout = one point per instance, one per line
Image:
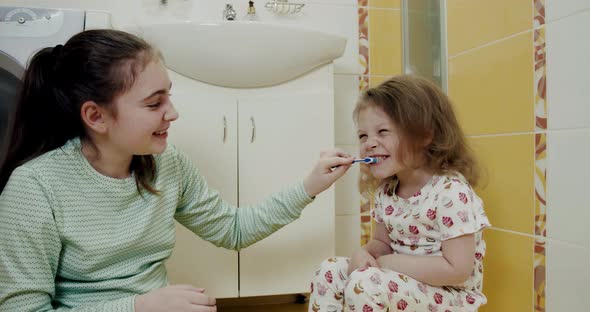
(71, 238)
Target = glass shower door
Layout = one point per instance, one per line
(424, 40)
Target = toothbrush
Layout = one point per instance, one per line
(366, 160)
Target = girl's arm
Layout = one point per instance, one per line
(452, 268)
(367, 255)
(205, 213)
(380, 244)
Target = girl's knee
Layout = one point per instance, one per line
(332, 270)
(377, 288)
(377, 278)
(366, 273)
(333, 263)
(364, 277)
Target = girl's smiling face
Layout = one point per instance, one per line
(379, 138)
(143, 113)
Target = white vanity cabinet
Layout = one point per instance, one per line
(199, 133)
(250, 143)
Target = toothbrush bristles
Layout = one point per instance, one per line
(366, 160)
(372, 160)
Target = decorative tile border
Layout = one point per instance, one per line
(540, 184)
(366, 231)
(540, 221)
(367, 191)
(540, 83)
(363, 83)
(539, 276)
(539, 13)
(363, 20)
(540, 80)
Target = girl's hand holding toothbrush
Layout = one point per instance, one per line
(331, 166)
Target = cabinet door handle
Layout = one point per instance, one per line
(224, 128)
(253, 136)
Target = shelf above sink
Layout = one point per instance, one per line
(241, 54)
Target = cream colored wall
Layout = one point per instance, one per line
(567, 132)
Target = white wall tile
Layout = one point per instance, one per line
(348, 234)
(567, 277)
(555, 9)
(568, 207)
(341, 20)
(348, 199)
(568, 66)
(346, 92)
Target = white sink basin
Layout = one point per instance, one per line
(241, 54)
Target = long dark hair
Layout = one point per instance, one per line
(94, 65)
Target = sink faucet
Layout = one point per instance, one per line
(229, 13)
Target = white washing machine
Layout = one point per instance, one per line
(24, 31)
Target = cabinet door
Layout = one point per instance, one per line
(199, 132)
(280, 139)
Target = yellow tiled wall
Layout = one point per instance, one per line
(491, 74)
(507, 186)
(383, 4)
(489, 86)
(508, 272)
(475, 23)
(385, 53)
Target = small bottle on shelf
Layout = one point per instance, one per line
(251, 16)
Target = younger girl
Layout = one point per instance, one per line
(427, 249)
(91, 189)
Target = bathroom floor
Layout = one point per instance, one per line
(281, 303)
(286, 307)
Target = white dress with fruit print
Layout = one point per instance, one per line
(446, 207)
